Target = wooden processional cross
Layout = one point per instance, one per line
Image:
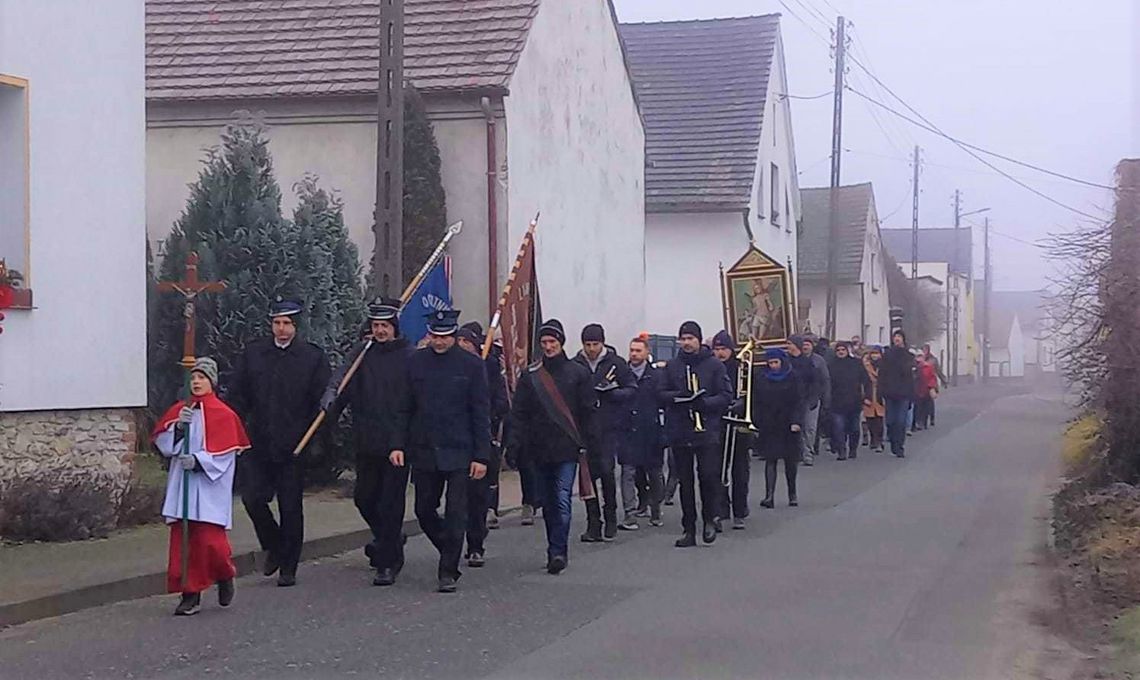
(189, 288)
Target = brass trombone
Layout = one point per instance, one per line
(733, 422)
(694, 387)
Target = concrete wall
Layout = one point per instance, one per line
(682, 254)
(576, 152)
(84, 346)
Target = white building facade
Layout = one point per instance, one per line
(546, 79)
(721, 159)
(72, 220)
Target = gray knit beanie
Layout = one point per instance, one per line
(207, 367)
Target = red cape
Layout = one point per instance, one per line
(224, 431)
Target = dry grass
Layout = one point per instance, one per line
(1081, 442)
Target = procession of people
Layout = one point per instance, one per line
(600, 424)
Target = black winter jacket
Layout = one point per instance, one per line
(497, 387)
(644, 441)
(446, 418)
(374, 394)
(896, 374)
(278, 392)
(535, 438)
(680, 429)
(609, 419)
(776, 406)
(849, 384)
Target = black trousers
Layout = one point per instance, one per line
(650, 483)
(380, 495)
(263, 478)
(602, 469)
(707, 461)
(482, 495)
(445, 533)
(734, 497)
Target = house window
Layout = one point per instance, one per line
(882, 338)
(760, 194)
(774, 176)
(788, 213)
(14, 177)
(874, 274)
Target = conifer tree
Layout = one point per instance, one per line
(425, 204)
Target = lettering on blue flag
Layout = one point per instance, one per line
(433, 294)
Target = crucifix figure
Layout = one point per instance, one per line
(189, 288)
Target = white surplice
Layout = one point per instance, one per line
(211, 489)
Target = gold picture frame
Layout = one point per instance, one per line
(759, 300)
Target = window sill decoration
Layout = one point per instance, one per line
(12, 293)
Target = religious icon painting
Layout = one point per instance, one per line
(758, 299)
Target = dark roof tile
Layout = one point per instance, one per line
(702, 86)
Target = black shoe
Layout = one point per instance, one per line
(591, 536)
(853, 456)
(225, 592)
(476, 560)
(793, 502)
(610, 533)
(286, 579)
(843, 457)
(709, 533)
(629, 525)
(738, 524)
(447, 584)
(641, 512)
(555, 564)
(271, 565)
(768, 503)
(668, 501)
(656, 522)
(718, 526)
(384, 577)
(189, 605)
(686, 540)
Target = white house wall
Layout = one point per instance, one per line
(683, 252)
(776, 146)
(84, 346)
(576, 152)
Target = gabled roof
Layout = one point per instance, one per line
(1029, 305)
(250, 49)
(934, 245)
(702, 86)
(854, 211)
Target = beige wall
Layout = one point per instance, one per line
(336, 140)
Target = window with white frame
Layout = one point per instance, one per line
(14, 180)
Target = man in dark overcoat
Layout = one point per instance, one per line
(276, 387)
(642, 455)
(444, 435)
(374, 393)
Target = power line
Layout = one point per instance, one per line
(934, 129)
(815, 13)
(944, 166)
(821, 95)
(808, 26)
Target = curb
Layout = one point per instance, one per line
(147, 585)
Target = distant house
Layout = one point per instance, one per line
(862, 301)
(1021, 342)
(720, 158)
(545, 79)
(947, 255)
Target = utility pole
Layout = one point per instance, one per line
(388, 226)
(987, 291)
(836, 155)
(957, 258)
(914, 238)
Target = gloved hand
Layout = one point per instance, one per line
(187, 461)
(186, 414)
(689, 398)
(737, 408)
(328, 400)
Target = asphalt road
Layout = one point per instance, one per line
(923, 568)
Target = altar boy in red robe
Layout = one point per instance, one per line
(216, 437)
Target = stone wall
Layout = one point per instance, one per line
(93, 447)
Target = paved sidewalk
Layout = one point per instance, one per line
(48, 579)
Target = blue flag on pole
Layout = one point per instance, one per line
(433, 293)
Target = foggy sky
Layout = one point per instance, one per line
(1050, 82)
